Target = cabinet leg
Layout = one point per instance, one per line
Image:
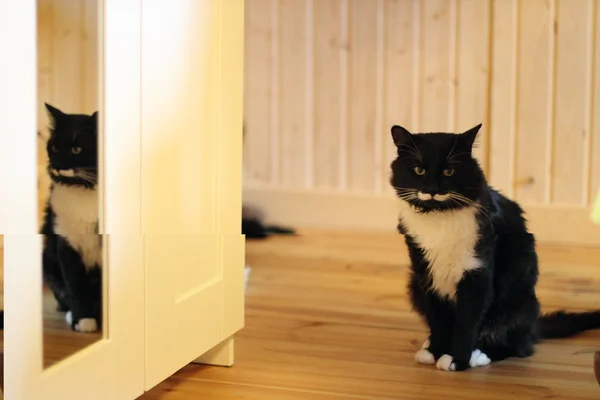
(221, 354)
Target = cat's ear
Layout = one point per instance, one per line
(53, 113)
(469, 137)
(401, 136)
(94, 116)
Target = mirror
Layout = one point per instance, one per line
(69, 211)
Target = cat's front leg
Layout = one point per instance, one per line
(440, 319)
(81, 316)
(473, 297)
(438, 314)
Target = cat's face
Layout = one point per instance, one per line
(436, 171)
(73, 148)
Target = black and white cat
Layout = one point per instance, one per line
(72, 254)
(474, 266)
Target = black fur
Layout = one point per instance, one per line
(255, 229)
(495, 308)
(72, 145)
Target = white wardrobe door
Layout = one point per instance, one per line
(112, 368)
(191, 179)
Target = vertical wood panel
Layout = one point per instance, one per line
(503, 87)
(327, 102)
(570, 120)
(344, 98)
(594, 182)
(589, 104)
(258, 92)
(67, 56)
(472, 71)
(428, 65)
(398, 74)
(275, 155)
(362, 74)
(533, 94)
(89, 56)
(45, 60)
(292, 92)
(436, 80)
(309, 111)
(379, 94)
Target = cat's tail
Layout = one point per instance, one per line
(253, 228)
(279, 230)
(562, 324)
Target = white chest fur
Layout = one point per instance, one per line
(76, 220)
(448, 241)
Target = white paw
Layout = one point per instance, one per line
(69, 318)
(479, 359)
(446, 363)
(86, 325)
(423, 356)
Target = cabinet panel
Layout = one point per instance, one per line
(191, 179)
(184, 305)
(112, 368)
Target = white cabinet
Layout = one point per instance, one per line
(192, 54)
(171, 118)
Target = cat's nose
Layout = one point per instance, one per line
(431, 189)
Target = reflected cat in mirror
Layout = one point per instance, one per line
(474, 265)
(72, 249)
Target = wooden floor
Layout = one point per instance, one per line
(59, 340)
(327, 318)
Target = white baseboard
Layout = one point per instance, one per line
(553, 224)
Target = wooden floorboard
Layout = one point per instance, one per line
(327, 317)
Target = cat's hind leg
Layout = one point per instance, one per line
(523, 347)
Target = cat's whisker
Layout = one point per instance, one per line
(452, 159)
(482, 210)
(452, 150)
(414, 150)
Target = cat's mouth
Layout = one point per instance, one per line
(69, 173)
(436, 197)
(74, 175)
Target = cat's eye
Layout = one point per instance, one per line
(75, 150)
(419, 170)
(448, 171)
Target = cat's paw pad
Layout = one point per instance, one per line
(446, 363)
(69, 318)
(479, 359)
(86, 325)
(424, 356)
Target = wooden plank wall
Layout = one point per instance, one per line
(325, 80)
(67, 51)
